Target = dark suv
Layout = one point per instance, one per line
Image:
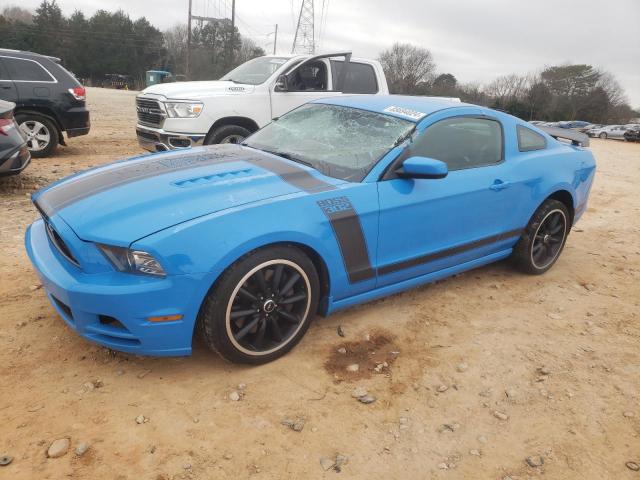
(49, 100)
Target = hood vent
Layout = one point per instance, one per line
(216, 177)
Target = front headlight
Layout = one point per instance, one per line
(132, 261)
(183, 109)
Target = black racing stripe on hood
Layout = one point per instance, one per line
(84, 186)
(292, 174)
(122, 173)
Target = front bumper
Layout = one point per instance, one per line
(112, 308)
(158, 140)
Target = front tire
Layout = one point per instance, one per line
(261, 306)
(42, 134)
(543, 239)
(603, 135)
(227, 134)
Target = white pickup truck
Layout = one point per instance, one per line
(185, 114)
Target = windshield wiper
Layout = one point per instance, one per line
(404, 136)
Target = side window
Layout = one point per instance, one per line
(529, 140)
(26, 70)
(311, 76)
(461, 142)
(360, 77)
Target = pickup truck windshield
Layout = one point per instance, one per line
(341, 142)
(256, 71)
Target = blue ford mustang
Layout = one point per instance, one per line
(335, 203)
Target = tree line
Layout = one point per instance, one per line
(555, 93)
(113, 43)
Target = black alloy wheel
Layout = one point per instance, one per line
(268, 306)
(549, 239)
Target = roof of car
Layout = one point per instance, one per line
(402, 106)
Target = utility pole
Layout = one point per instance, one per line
(304, 40)
(233, 30)
(188, 66)
(275, 40)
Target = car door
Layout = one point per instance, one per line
(428, 225)
(8, 89)
(306, 81)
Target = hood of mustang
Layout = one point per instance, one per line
(127, 200)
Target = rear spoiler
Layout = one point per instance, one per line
(577, 138)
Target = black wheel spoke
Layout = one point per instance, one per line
(288, 316)
(248, 295)
(260, 335)
(241, 313)
(277, 277)
(262, 284)
(290, 283)
(294, 299)
(275, 329)
(247, 328)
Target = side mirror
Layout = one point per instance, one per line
(281, 84)
(422, 167)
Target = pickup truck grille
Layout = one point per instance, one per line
(149, 112)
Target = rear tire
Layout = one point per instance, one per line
(249, 317)
(42, 134)
(544, 237)
(227, 134)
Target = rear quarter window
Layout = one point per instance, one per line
(360, 78)
(20, 69)
(528, 140)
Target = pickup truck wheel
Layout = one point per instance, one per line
(42, 134)
(227, 134)
(261, 306)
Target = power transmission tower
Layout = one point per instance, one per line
(304, 41)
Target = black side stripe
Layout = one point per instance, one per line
(346, 226)
(84, 186)
(430, 257)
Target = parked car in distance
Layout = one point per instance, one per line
(573, 124)
(633, 133)
(49, 100)
(14, 155)
(340, 201)
(185, 114)
(601, 132)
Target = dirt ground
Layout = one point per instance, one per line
(485, 369)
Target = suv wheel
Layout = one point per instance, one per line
(227, 134)
(41, 133)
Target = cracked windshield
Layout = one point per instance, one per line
(341, 142)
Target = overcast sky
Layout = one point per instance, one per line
(476, 40)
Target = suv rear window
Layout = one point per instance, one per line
(529, 140)
(360, 77)
(26, 70)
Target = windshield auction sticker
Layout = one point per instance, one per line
(405, 112)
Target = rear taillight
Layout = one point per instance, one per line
(79, 93)
(6, 124)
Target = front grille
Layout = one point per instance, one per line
(57, 242)
(149, 112)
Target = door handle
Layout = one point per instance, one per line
(499, 185)
(5, 87)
